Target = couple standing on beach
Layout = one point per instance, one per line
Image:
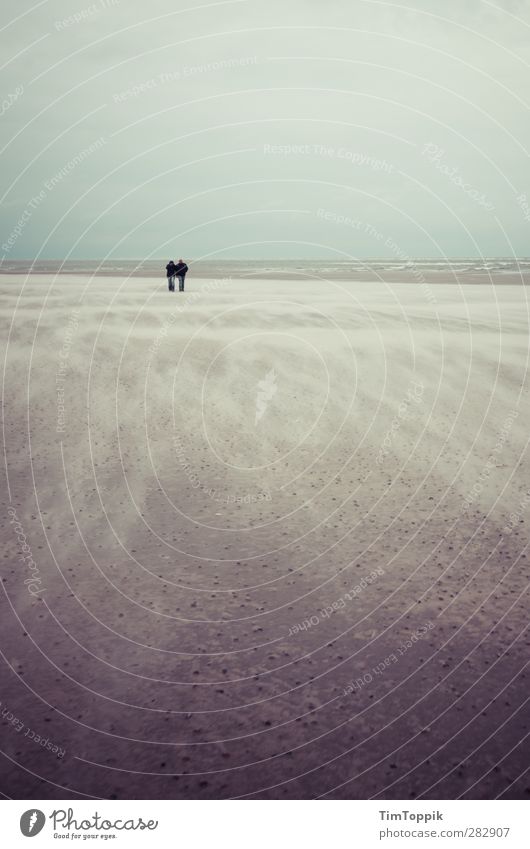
(179, 270)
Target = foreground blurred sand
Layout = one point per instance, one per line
(198, 476)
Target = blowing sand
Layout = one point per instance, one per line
(265, 539)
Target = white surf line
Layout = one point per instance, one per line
(24, 50)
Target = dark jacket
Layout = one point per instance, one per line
(170, 269)
(180, 269)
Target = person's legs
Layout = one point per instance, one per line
(181, 284)
(171, 283)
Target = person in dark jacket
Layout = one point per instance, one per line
(170, 274)
(180, 271)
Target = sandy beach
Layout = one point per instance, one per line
(265, 538)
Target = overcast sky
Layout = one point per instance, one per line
(266, 128)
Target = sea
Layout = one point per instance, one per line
(275, 269)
